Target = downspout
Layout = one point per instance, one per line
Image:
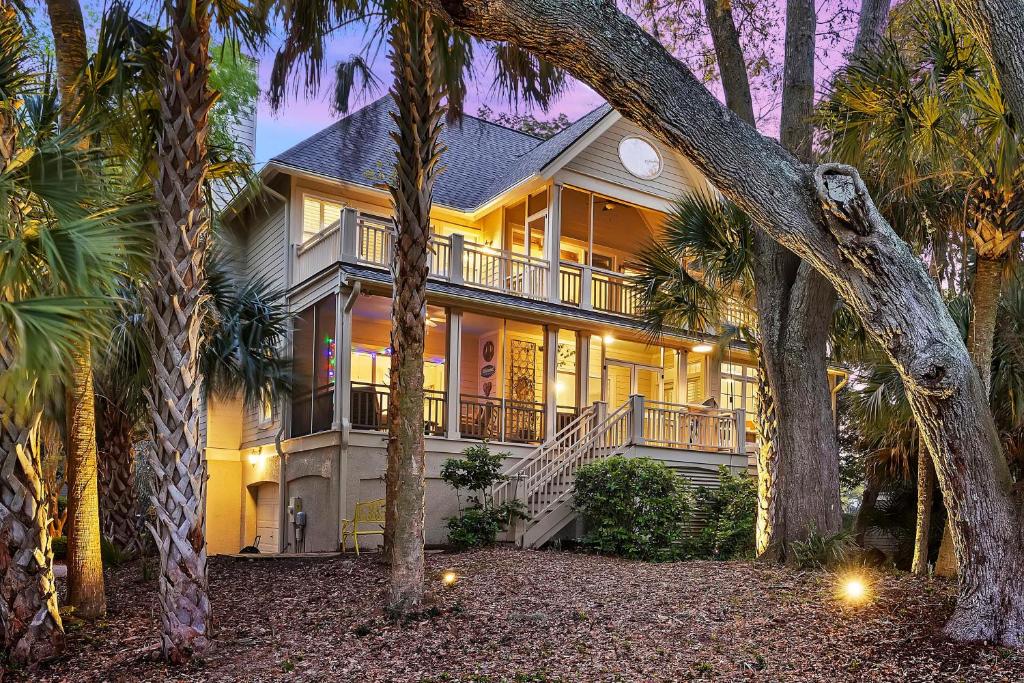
(282, 492)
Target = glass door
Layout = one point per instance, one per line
(622, 379)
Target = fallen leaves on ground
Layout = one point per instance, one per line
(533, 616)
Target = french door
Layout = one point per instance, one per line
(621, 379)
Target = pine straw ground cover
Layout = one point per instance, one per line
(539, 616)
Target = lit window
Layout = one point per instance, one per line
(317, 216)
(266, 411)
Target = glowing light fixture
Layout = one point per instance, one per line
(449, 578)
(703, 348)
(609, 339)
(854, 590)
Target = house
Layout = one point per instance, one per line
(532, 337)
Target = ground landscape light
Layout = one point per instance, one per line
(854, 590)
(449, 578)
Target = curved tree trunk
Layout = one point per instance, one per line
(118, 505)
(175, 299)
(84, 559)
(868, 502)
(826, 216)
(925, 501)
(1000, 25)
(768, 483)
(417, 95)
(986, 291)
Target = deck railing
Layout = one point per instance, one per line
(370, 403)
(692, 427)
(367, 239)
(496, 419)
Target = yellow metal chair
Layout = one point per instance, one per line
(368, 512)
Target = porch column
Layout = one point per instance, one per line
(550, 380)
(586, 289)
(455, 269)
(636, 407)
(680, 380)
(741, 431)
(343, 373)
(553, 242)
(713, 375)
(453, 373)
(349, 235)
(582, 369)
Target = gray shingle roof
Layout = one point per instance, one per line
(482, 159)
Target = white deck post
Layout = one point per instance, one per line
(554, 241)
(681, 371)
(586, 288)
(456, 256)
(741, 431)
(550, 381)
(453, 372)
(349, 235)
(343, 364)
(636, 407)
(582, 369)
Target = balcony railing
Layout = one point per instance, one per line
(496, 419)
(370, 402)
(369, 240)
(692, 427)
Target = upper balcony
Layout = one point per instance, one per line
(364, 239)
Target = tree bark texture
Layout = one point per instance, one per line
(30, 625)
(175, 299)
(84, 557)
(118, 504)
(1000, 25)
(868, 502)
(825, 215)
(767, 460)
(986, 291)
(417, 94)
(925, 501)
(52, 454)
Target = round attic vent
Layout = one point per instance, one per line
(640, 158)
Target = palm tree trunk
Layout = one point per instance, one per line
(986, 291)
(417, 94)
(768, 483)
(175, 299)
(52, 454)
(925, 499)
(117, 477)
(30, 624)
(84, 559)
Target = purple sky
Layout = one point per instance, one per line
(300, 118)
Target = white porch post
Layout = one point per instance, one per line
(636, 407)
(550, 380)
(680, 380)
(455, 269)
(741, 431)
(349, 235)
(586, 288)
(582, 369)
(343, 363)
(553, 242)
(453, 372)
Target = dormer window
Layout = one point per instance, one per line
(318, 215)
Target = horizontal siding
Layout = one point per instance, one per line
(601, 160)
(266, 248)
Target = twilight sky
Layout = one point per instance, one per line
(762, 29)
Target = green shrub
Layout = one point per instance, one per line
(633, 507)
(731, 515)
(60, 547)
(479, 520)
(111, 554)
(820, 551)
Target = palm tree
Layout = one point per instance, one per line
(429, 64)
(62, 245)
(84, 559)
(684, 279)
(925, 116)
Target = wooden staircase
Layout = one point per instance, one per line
(543, 480)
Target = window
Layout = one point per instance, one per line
(266, 414)
(739, 387)
(640, 158)
(317, 216)
(315, 368)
